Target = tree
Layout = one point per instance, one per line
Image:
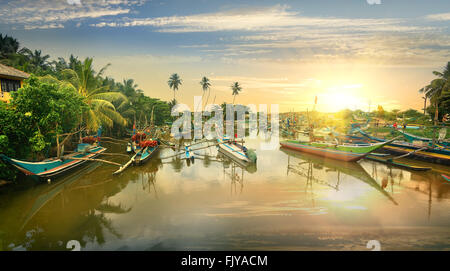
(36, 59)
(174, 82)
(380, 111)
(47, 110)
(101, 110)
(206, 86)
(436, 88)
(8, 46)
(236, 88)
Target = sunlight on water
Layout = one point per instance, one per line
(289, 200)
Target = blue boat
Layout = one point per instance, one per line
(53, 167)
(144, 154)
(411, 138)
(437, 154)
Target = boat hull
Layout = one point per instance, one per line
(233, 151)
(327, 153)
(144, 157)
(53, 168)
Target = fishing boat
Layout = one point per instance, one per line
(412, 138)
(391, 162)
(236, 151)
(144, 150)
(344, 152)
(436, 154)
(53, 167)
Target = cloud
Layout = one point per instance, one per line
(374, 2)
(257, 19)
(438, 17)
(40, 14)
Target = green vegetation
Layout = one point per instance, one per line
(438, 92)
(236, 88)
(62, 96)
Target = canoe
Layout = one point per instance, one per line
(396, 164)
(145, 154)
(411, 138)
(438, 155)
(342, 152)
(54, 166)
(234, 150)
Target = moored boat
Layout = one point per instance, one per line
(412, 138)
(55, 166)
(343, 152)
(236, 151)
(424, 152)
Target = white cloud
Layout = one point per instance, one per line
(438, 17)
(43, 13)
(262, 19)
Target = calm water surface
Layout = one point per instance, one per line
(289, 201)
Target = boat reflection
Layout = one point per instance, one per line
(73, 208)
(315, 162)
(427, 183)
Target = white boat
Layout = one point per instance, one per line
(234, 150)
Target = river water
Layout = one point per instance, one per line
(288, 201)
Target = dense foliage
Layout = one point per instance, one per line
(60, 97)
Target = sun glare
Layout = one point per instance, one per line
(337, 98)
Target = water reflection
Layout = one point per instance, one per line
(326, 165)
(289, 200)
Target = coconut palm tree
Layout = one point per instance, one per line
(36, 58)
(174, 82)
(101, 110)
(236, 88)
(8, 46)
(206, 86)
(436, 88)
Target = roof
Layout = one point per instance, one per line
(12, 72)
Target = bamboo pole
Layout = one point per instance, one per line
(122, 168)
(407, 154)
(98, 160)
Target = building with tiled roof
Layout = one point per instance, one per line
(11, 79)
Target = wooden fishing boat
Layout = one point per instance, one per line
(343, 152)
(439, 155)
(411, 138)
(143, 154)
(396, 164)
(55, 166)
(236, 151)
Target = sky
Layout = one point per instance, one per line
(354, 54)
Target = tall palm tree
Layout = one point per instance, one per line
(206, 86)
(36, 58)
(436, 88)
(8, 46)
(174, 82)
(236, 88)
(101, 110)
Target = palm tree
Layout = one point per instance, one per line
(8, 46)
(172, 103)
(436, 88)
(36, 58)
(206, 85)
(101, 110)
(236, 88)
(174, 82)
